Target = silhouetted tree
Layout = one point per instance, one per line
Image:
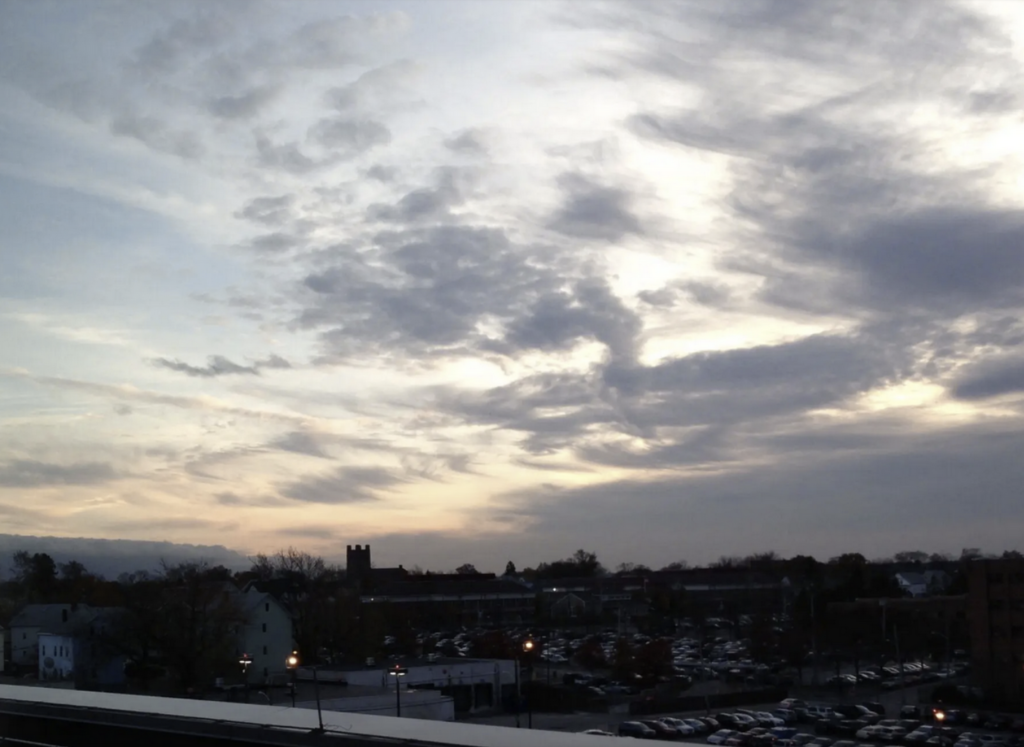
(510, 568)
(466, 569)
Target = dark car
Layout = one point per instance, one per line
(661, 730)
(998, 722)
(712, 723)
(636, 729)
(826, 726)
(976, 718)
(876, 707)
(820, 742)
(802, 739)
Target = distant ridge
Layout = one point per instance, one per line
(110, 558)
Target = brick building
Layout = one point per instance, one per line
(996, 613)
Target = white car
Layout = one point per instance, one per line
(721, 735)
(768, 720)
(681, 727)
(871, 732)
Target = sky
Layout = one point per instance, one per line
(489, 281)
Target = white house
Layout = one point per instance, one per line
(922, 584)
(266, 637)
(35, 619)
(56, 656)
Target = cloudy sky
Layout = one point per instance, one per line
(479, 281)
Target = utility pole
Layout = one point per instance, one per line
(814, 640)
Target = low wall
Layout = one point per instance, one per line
(712, 701)
(415, 704)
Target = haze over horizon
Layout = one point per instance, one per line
(473, 282)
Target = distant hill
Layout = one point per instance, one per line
(110, 558)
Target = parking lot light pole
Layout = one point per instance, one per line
(528, 650)
(245, 660)
(292, 664)
(398, 672)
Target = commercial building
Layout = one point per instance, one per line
(996, 613)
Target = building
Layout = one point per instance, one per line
(996, 614)
(78, 649)
(472, 684)
(361, 574)
(923, 583)
(35, 619)
(439, 602)
(266, 636)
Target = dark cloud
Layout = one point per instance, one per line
(382, 173)
(928, 489)
(343, 485)
(593, 211)
(428, 203)
(469, 142)
(336, 42)
(377, 88)
(348, 138)
(271, 211)
(183, 40)
(218, 365)
(287, 157)
(590, 311)
(28, 473)
(300, 442)
(244, 105)
(154, 133)
(991, 378)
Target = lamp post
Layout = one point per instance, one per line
(528, 651)
(245, 661)
(292, 665)
(398, 671)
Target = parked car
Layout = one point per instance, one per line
(682, 728)
(998, 722)
(636, 729)
(598, 733)
(876, 707)
(698, 726)
(720, 736)
(792, 703)
(766, 719)
(660, 728)
(711, 722)
(870, 732)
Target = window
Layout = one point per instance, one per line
(264, 627)
(264, 650)
(44, 650)
(266, 607)
(266, 672)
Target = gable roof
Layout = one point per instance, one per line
(50, 618)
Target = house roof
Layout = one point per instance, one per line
(50, 617)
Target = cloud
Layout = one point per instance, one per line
(245, 105)
(594, 211)
(218, 365)
(287, 157)
(472, 142)
(348, 138)
(28, 473)
(154, 133)
(343, 485)
(272, 211)
(991, 378)
(428, 203)
(376, 89)
(300, 442)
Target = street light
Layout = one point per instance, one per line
(292, 665)
(398, 671)
(528, 651)
(245, 661)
